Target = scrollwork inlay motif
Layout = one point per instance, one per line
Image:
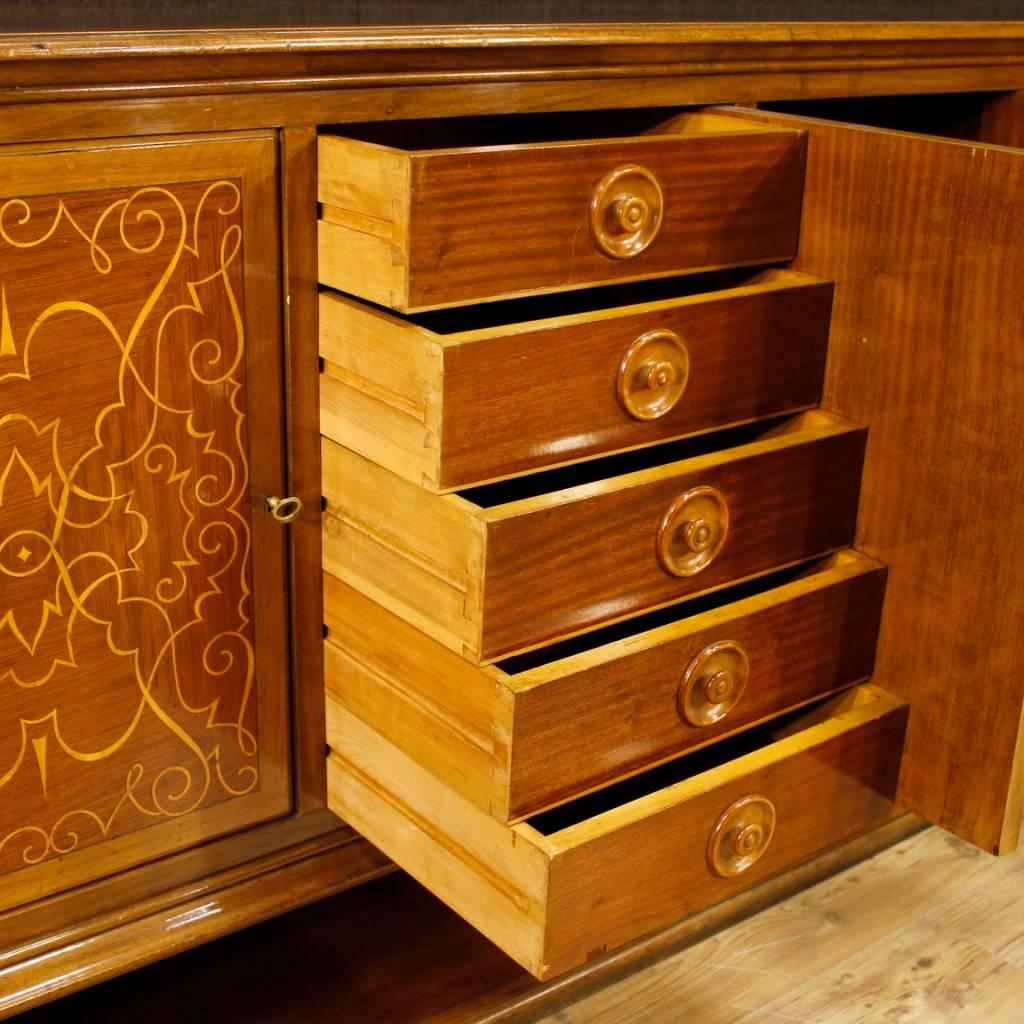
(126, 634)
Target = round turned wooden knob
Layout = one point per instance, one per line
(631, 213)
(626, 212)
(693, 531)
(653, 375)
(741, 835)
(713, 683)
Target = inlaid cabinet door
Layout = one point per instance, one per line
(143, 681)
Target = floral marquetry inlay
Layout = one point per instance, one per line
(126, 621)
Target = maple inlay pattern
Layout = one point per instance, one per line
(127, 690)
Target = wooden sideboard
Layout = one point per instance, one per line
(193, 229)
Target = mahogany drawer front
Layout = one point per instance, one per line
(447, 410)
(519, 738)
(420, 229)
(619, 864)
(490, 572)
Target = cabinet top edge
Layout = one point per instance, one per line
(980, 36)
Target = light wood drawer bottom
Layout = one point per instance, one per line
(570, 884)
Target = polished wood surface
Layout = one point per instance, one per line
(474, 221)
(446, 408)
(87, 85)
(490, 581)
(196, 896)
(553, 894)
(515, 740)
(127, 917)
(835, 58)
(104, 85)
(1002, 121)
(143, 649)
(301, 363)
(924, 350)
(441, 972)
(556, 565)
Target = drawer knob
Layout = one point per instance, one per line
(653, 374)
(626, 211)
(741, 835)
(693, 531)
(713, 683)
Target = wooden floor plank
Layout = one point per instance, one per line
(928, 976)
(992, 916)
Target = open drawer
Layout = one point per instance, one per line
(458, 397)
(533, 731)
(502, 568)
(568, 885)
(459, 211)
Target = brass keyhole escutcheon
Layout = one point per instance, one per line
(713, 683)
(285, 510)
(626, 211)
(741, 835)
(693, 531)
(653, 375)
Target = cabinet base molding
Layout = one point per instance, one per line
(140, 932)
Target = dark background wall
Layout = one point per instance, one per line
(44, 15)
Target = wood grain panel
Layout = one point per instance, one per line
(925, 350)
(729, 198)
(258, 103)
(455, 718)
(553, 901)
(449, 409)
(1002, 121)
(738, 61)
(568, 563)
(516, 739)
(298, 187)
(142, 648)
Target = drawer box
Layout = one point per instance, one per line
(525, 734)
(447, 406)
(566, 886)
(418, 228)
(499, 569)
